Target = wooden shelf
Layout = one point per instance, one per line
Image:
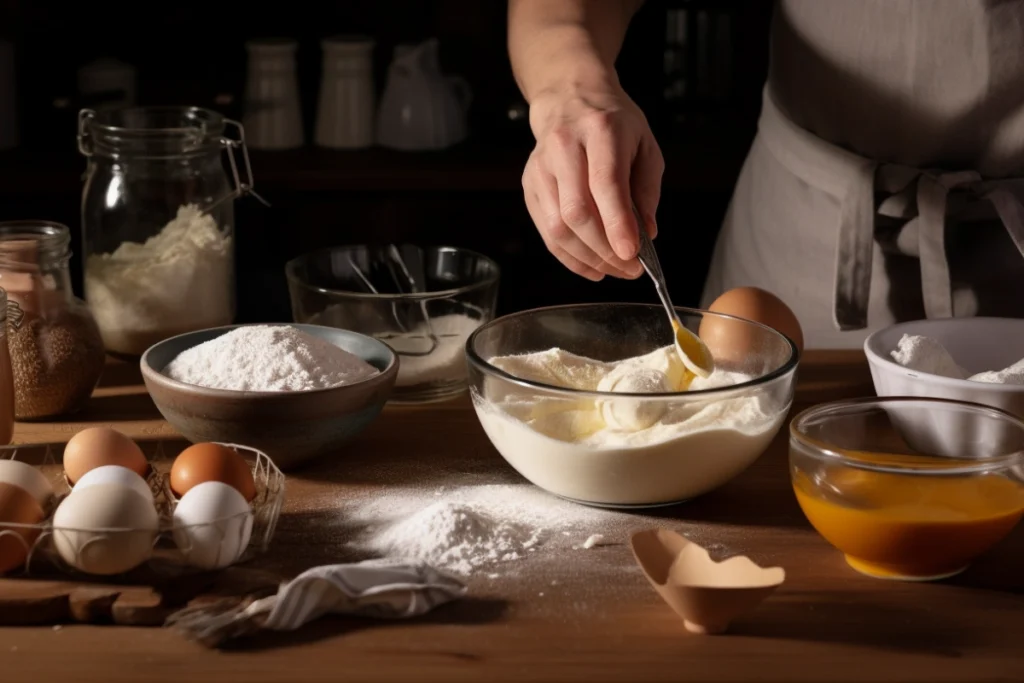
(469, 167)
(709, 159)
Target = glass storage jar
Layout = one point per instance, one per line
(158, 221)
(6, 377)
(55, 347)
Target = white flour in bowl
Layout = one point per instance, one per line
(446, 363)
(924, 354)
(268, 358)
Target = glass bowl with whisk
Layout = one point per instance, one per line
(423, 302)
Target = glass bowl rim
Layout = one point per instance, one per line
(484, 366)
(491, 279)
(824, 451)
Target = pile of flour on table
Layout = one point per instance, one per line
(924, 354)
(268, 358)
(474, 528)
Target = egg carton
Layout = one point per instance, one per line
(169, 551)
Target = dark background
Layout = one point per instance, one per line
(700, 88)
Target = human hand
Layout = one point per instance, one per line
(595, 155)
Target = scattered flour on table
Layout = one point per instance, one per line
(470, 528)
(268, 358)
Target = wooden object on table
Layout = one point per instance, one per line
(141, 599)
(600, 621)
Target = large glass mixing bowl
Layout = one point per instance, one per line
(558, 437)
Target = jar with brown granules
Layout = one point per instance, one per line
(56, 350)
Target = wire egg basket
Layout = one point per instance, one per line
(167, 548)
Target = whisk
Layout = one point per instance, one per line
(406, 283)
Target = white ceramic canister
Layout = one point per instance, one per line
(273, 115)
(347, 107)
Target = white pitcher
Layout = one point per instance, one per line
(422, 109)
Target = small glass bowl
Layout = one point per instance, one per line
(884, 482)
(525, 419)
(423, 302)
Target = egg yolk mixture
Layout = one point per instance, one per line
(906, 526)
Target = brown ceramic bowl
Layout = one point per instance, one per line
(290, 427)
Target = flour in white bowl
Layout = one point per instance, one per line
(924, 354)
(1011, 375)
(268, 358)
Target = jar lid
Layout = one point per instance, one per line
(355, 44)
(151, 131)
(272, 45)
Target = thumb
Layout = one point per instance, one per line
(645, 182)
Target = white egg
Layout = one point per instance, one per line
(26, 477)
(212, 525)
(105, 529)
(115, 474)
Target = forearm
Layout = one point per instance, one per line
(560, 44)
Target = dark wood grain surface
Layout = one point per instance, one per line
(589, 616)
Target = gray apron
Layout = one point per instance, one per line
(861, 210)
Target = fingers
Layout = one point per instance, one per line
(645, 182)
(579, 212)
(608, 161)
(546, 217)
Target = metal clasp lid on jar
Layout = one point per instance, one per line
(234, 147)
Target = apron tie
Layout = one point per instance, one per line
(854, 249)
(932, 197)
(920, 198)
(901, 186)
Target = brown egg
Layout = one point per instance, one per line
(733, 342)
(98, 446)
(211, 462)
(17, 506)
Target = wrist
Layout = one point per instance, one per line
(579, 89)
(576, 80)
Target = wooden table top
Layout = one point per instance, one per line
(587, 616)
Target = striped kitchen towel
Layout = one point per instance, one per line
(376, 589)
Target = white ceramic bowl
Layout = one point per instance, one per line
(976, 344)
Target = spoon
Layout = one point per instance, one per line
(692, 350)
(708, 595)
